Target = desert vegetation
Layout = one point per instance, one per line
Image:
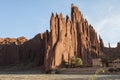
(74, 62)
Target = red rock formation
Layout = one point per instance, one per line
(101, 42)
(9, 50)
(20, 50)
(69, 38)
(111, 53)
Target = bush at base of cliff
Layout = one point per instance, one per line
(79, 62)
(74, 62)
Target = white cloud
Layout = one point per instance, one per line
(109, 29)
(111, 22)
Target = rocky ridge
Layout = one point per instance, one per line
(70, 36)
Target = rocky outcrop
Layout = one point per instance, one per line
(101, 42)
(67, 37)
(9, 50)
(70, 37)
(20, 50)
(17, 41)
(109, 53)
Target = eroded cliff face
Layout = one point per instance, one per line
(9, 50)
(15, 51)
(70, 37)
(67, 37)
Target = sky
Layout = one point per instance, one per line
(30, 17)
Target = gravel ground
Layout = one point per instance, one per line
(57, 77)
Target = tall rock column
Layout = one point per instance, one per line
(69, 38)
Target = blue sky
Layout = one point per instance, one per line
(30, 17)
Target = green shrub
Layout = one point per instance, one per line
(79, 62)
(74, 62)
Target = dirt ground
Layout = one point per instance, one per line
(66, 74)
(58, 77)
